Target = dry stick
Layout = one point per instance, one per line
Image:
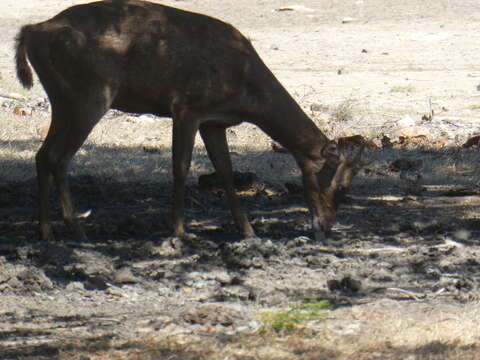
(408, 293)
(439, 292)
(374, 250)
(12, 96)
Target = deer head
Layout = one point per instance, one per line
(333, 180)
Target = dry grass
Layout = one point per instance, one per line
(343, 112)
(381, 329)
(293, 347)
(403, 89)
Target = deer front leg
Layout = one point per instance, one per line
(321, 221)
(215, 140)
(184, 130)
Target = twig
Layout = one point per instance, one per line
(439, 292)
(12, 96)
(410, 294)
(377, 250)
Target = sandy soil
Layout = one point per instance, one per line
(402, 273)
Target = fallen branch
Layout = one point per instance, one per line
(12, 96)
(378, 250)
(409, 294)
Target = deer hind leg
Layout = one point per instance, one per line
(43, 180)
(215, 140)
(69, 128)
(185, 127)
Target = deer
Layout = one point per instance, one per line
(142, 57)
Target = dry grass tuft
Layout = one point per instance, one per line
(403, 89)
(344, 111)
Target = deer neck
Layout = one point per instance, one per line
(283, 120)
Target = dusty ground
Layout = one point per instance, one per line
(405, 252)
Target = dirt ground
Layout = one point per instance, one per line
(401, 273)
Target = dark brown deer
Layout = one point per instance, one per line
(142, 57)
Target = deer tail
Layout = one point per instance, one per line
(24, 71)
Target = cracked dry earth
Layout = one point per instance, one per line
(401, 272)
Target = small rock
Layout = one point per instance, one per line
(34, 280)
(406, 121)
(462, 235)
(215, 314)
(75, 286)
(347, 20)
(346, 285)
(115, 291)
(251, 326)
(412, 131)
(381, 276)
(21, 111)
(170, 247)
(319, 108)
(425, 226)
(236, 292)
(96, 283)
(125, 276)
(222, 277)
(299, 241)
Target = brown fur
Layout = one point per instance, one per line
(142, 57)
